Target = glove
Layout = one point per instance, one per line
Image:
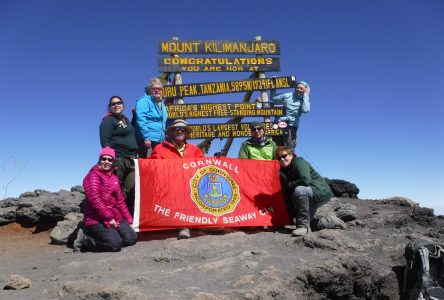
(219, 154)
(291, 186)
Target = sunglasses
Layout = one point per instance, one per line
(156, 89)
(178, 129)
(106, 159)
(256, 129)
(283, 156)
(116, 103)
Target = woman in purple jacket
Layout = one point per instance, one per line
(106, 216)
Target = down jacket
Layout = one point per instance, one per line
(168, 150)
(104, 199)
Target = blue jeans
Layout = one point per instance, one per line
(101, 239)
(304, 204)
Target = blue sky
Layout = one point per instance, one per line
(376, 71)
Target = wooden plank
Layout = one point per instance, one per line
(219, 47)
(218, 64)
(225, 87)
(231, 130)
(224, 110)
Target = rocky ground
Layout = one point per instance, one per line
(361, 259)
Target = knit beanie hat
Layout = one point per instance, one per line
(108, 151)
(257, 124)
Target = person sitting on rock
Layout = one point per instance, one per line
(303, 187)
(107, 220)
(176, 146)
(258, 146)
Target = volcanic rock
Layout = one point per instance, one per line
(361, 260)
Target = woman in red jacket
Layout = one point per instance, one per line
(106, 216)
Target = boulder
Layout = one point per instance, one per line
(47, 207)
(342, 188)
(78, 188)
(64, 229)
(328, 221)
(7, 215)
(17, 282)
(400, 201)
(334, 213)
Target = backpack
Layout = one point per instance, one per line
(424, 270)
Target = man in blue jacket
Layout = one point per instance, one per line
(151, 117)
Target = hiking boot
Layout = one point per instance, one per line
(184, 233)
(77, 245)
(281, 229)
(301, 231)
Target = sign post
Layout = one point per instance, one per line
(255, 56)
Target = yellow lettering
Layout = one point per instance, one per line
(169, 91)
(164, 47)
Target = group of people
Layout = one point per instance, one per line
(110, 184)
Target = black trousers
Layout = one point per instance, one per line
(289, 139)
(125, 171)
(101, 239)
(144, 152)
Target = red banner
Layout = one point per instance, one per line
(207, 192)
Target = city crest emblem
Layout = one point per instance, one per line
(214, 191)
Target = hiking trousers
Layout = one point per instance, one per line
(289, 139)
(124, 167)
(304, 205)
(101, 239)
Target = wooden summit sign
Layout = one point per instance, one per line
(227, 130)
(218, 64)
(224, 87)
(224, 110)
(219, 47)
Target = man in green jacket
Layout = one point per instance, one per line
(258, 146)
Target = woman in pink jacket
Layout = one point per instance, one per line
(106, 216)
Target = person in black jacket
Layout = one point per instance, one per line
(117, 132)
